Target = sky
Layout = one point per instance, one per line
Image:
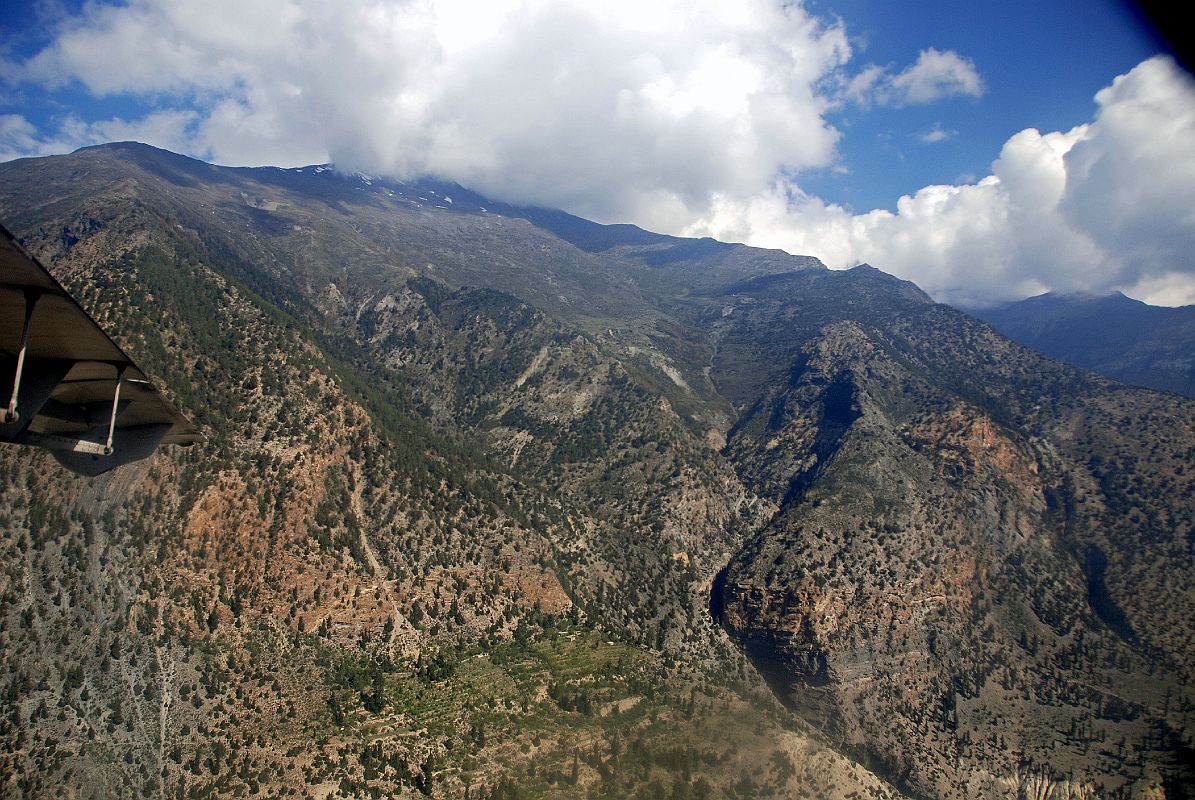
(986, 150)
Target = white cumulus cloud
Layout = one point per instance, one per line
(171, 129)
(1105, 206)
(685, 116)
(937, 74)
(618, 110)
(937, 134)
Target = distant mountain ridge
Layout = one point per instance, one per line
(1118, 336)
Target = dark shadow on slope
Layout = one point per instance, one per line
(803, 685)
(839, 412)
(592, 237)
(179, 170)
(1100, 599)
(776, 282)
(717, 603)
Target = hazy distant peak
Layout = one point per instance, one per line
(1112, 333)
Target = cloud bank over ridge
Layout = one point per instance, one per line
(1104, 206)
(611, 110)
(694, 117)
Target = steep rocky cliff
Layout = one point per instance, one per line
(956, 585)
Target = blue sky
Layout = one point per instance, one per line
(980, 149)
(1041, 64)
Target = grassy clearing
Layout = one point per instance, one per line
(571, 714)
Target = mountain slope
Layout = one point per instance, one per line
(960, 557)
(1114, 335)
(458, 448)
(356, 583)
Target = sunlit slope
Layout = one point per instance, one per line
(395, 565)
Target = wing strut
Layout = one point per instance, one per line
(11, 414)
(115, 408)
(65, 397)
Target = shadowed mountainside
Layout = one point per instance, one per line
(1115, 335)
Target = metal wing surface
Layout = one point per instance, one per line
(65, 385)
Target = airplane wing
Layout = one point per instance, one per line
(65, 385)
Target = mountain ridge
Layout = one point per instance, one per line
(469, 439)
(1112, 334)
